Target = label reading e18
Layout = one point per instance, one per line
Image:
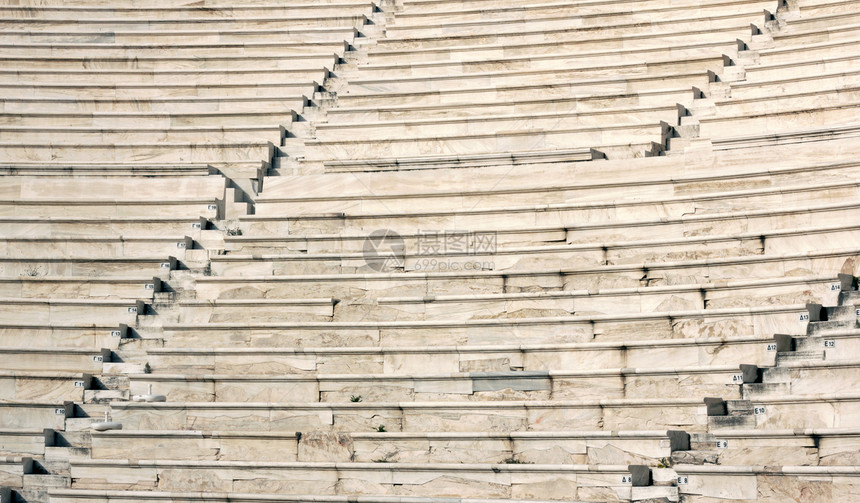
(759, 410)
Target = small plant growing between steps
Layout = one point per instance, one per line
(382, 460)
(355, 398)
(664, 463)
(515, 461)
(32, 272)
(381, 428)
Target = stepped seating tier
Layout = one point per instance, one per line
(464, 282)
(540, 481)
(134, 10)
(427, 251)
(122, 246)
(481, 216)
(623, 447)
(822, 411)
(43, 385)
(511, 258)
(180, 37)
(104, 226)
(194, 94)
(796, 378)
(78, 495)
(632, 447)
(101, 311)
(658, 177)
(538, 330)
(412, 359)
(550, 302)
(18, 442)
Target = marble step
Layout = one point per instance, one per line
(576, 447)
(98, 496)
(609, 383)
(504, 480)
(413, 359)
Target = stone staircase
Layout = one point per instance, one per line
(478, 251)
